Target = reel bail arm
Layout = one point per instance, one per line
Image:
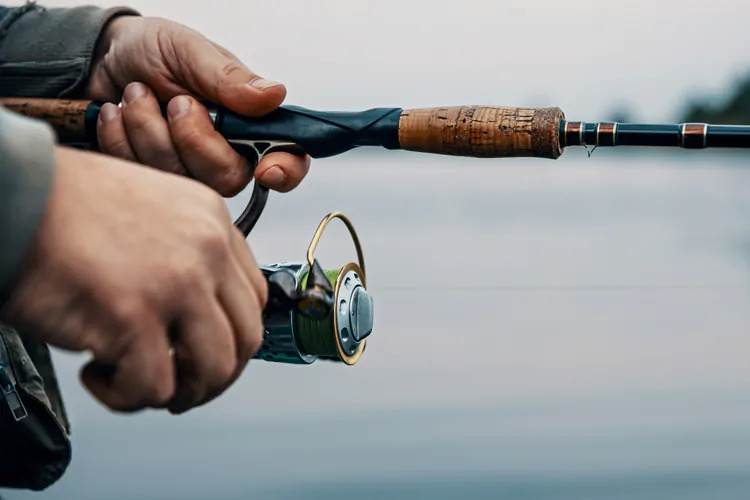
(313, 313)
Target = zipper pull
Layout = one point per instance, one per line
(11, 395)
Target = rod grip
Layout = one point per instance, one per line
(482, 131)
(320, 133)
(66, 117)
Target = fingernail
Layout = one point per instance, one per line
(273, 177)
(133, 92)
(263, 84)
(178, 107)
(109, 112)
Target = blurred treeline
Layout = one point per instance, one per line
(733, 110)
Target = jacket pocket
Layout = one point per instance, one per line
(34, 450)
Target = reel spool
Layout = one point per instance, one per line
(315, 314)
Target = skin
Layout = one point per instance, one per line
(141, 268)
(117, 272)
(147, 60)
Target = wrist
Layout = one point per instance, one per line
(107, 40)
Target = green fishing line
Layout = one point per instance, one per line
(318, 337)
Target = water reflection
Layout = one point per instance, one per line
(570, 329)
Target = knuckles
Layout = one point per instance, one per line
(224, 372)
(150, 384)
(189, 140)
(155, 392)
(230, 68)
(215, 246)
(114, 145)
(210, 235)
(214, 236)
(159, 391)
(125, 311)
(229, 172)
(234, 179)
(138, 118)
(188, 277)
(255, 341)
(250, 342)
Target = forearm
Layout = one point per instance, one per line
(48, 52)
(26, 168)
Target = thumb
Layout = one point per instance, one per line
(215, 74)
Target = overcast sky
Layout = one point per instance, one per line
(617, 337)
(585, 56)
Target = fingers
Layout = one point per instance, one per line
(282, 171)
(249, 267)
(111, 134)
(138, 131)
(243, 296)
(142, 377)
(245, 313)
(187, 144)
(204, 355)
(210, 356)
(147, 130)
(210, 159)
(216, 340)
(204, 152)
(213, 338)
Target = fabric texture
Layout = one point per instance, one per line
(26, 168)
(34, 451)
(48, 52)
(43, 53)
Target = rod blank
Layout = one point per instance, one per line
(683, 135)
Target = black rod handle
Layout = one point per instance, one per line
(319, 133)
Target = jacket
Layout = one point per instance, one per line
(43, 53)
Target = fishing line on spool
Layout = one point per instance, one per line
(315, 334)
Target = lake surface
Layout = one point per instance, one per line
(577, 329)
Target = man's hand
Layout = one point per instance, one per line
(117, 270)
(170, 62)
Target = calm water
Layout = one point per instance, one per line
(576, 329)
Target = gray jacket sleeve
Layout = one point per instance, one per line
(26, 161)
(43, 53)
(48, 52)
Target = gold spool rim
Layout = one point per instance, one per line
(349, 360)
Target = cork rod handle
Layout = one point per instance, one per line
(66, 117)
(482, 131)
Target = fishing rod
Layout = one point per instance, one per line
(317, 314)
